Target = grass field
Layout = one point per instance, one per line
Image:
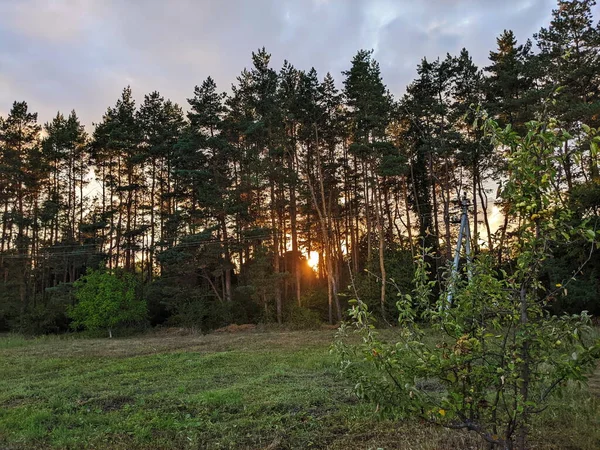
(251, 390)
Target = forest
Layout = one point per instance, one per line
(267, 202)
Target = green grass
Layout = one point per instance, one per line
(269, 390)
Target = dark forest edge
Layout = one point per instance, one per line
(207, 218)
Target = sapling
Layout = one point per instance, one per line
(105, 300)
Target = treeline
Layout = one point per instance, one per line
(215, 211)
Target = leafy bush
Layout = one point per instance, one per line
(300, 318)
(106, 299)
(466, 367)
(45, 313)
(202, 312)
(10, 306)
(197, 307)
(491, 360)
(317, 301)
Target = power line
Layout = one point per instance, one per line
(47, 253)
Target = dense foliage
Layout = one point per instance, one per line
(215, 212)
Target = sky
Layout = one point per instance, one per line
(80, 54)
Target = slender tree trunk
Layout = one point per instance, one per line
(408, 222)
(21, 247)
(486, 220)
(295, 250)
(297, 270)
(325, 216)
(435, 238)
(475, 244)
(276, 263)
(502, 237)
(387, 211)
(81, 201)
(152, 220)
(379, 219)
(567, 165)
(4, 228)
(446, 194)
(367, 214)
(356, 252)
(227, 257)
(129, 258)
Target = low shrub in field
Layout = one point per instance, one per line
(475, 366)
(487, 355)
(299, 318)
(105, 300)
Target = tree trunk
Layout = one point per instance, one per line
(486, 220)
(379, 219)
(475, 243)
(276, 268)
(367, 214)
(408, 222)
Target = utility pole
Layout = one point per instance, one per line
(464, 233)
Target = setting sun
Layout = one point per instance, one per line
(313, 260)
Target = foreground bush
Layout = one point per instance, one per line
(491, 360)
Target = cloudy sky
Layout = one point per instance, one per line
(65, 54)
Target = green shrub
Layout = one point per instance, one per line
(106, 299)
(316, 300)
(300, 318)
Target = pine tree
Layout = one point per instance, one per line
(512, 97)
(65, 149)
(570, 62)
(214, 178)
(318, 165)
(473, 153)
(430, 140)
(161, 123)
(369, 107)
(117, 139)
(266, 135)
(62, 210)
(288, 87)
(24, 173)
(510, 93)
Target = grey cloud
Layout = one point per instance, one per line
(79, 54)
(447, 27)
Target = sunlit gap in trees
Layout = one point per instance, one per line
(313, 260)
